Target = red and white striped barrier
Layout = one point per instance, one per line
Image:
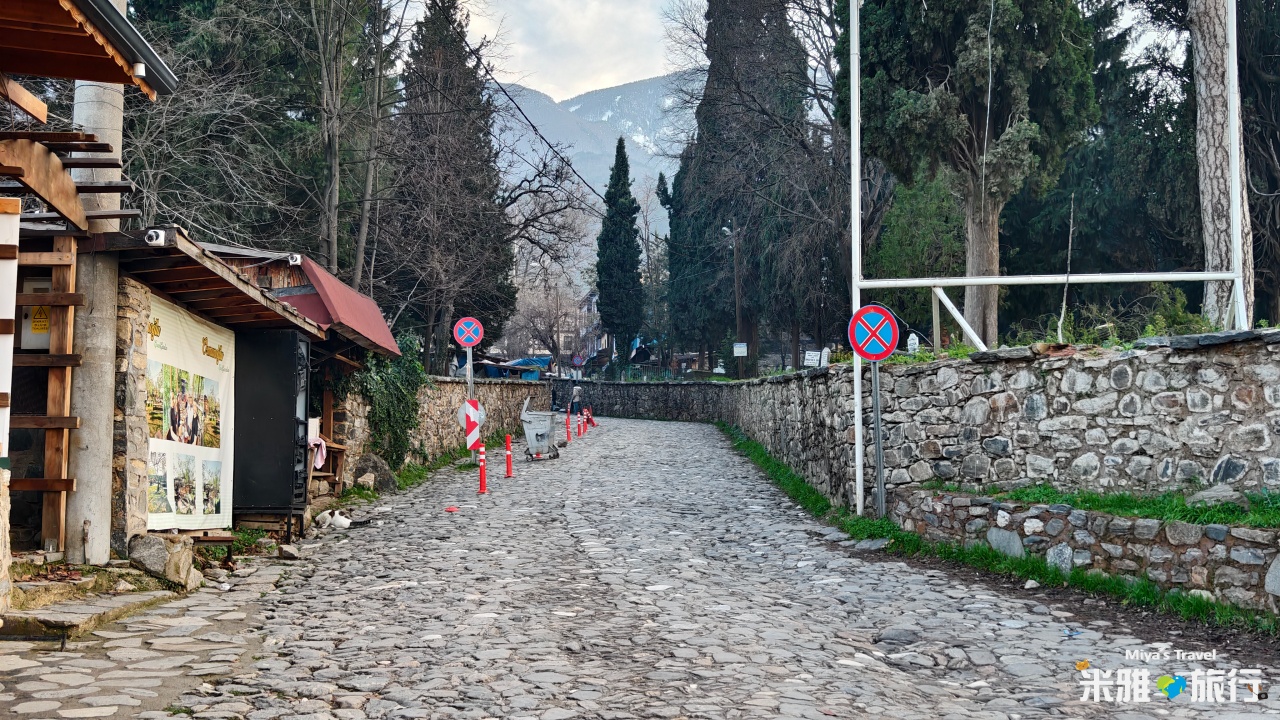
(510, 472)
(484, 488)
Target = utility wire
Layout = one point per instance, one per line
(532, 125)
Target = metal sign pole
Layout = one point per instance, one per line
(471, 389)
(875, 409)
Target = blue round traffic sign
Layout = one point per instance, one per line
(468, 332)
(873, 332)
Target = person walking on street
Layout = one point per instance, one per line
(575, 406)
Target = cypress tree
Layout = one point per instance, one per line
(618, 258)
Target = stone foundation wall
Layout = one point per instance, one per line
(129, 435)
(6, 584)
(1175, 413)
(438, 404)
(1235, 565)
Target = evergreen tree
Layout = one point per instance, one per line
(738, 175)
(621, 297)
(449, 230)
(932, 94)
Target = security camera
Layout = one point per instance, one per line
(295, 259)
(155, 238)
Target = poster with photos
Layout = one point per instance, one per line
(190, 376)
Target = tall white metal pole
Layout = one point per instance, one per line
(1233, 166)
(855, 212)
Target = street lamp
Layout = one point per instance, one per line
(727, 231)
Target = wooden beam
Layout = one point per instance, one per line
(4, 400)
(43, 485)
(102, 163)
(190, 286)
(6, 328)
(89, 187)
(44, 176)
(8, 252)
(46, 360)
(22, 99)
(42, 13)
(190, 270)
(57, 440)
(121, 214)
(57, 299)
(45, 422)
(47, 136)
(42, 259)
(66, 147)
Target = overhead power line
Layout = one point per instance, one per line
(533, 126)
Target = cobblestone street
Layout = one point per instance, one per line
(650, 572)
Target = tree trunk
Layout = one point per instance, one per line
(1206, 21)
(371, 155)
(795, 344)
(982, 258)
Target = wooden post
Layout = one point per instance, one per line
(61, 322)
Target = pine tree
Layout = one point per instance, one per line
(618, 259)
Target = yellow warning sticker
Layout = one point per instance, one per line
(40, 319)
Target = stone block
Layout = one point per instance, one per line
(1146, 528)
(1006, 542)
(1263, 537)
(1181, 533)
(1032, 526)
(1216, 532)
(1228, 575)
(1272, 583)
(163, 556)
(1247, 556)
(1054, 526)
(1061, 557)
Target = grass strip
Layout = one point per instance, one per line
(1130, 591)
(1264, 511)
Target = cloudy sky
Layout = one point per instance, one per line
(567, 47)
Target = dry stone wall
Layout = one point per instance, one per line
(129, 433)
(1235, 565)
(1170, 415)
(438, 404)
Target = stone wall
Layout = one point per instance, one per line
(6, 584)
(1234, 565)
(438, 404)
(1169, 415)
(130, 435)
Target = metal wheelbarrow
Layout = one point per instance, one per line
(537, 433)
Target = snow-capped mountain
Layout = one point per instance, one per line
(643, 112)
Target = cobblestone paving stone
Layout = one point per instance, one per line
(650, 573)
(137, 666)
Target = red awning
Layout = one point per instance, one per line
(351, 314)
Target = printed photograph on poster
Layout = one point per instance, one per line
(211, 478)
(190, 385)
(184, 484)
(182, 406)
(158, 484)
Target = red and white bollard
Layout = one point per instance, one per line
(568, 434)
(591, 419)
(510, 473)
(484, 487)
(579, 423)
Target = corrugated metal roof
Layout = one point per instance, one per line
(353, 315)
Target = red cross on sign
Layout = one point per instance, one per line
(468, 332)
(873, 333)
